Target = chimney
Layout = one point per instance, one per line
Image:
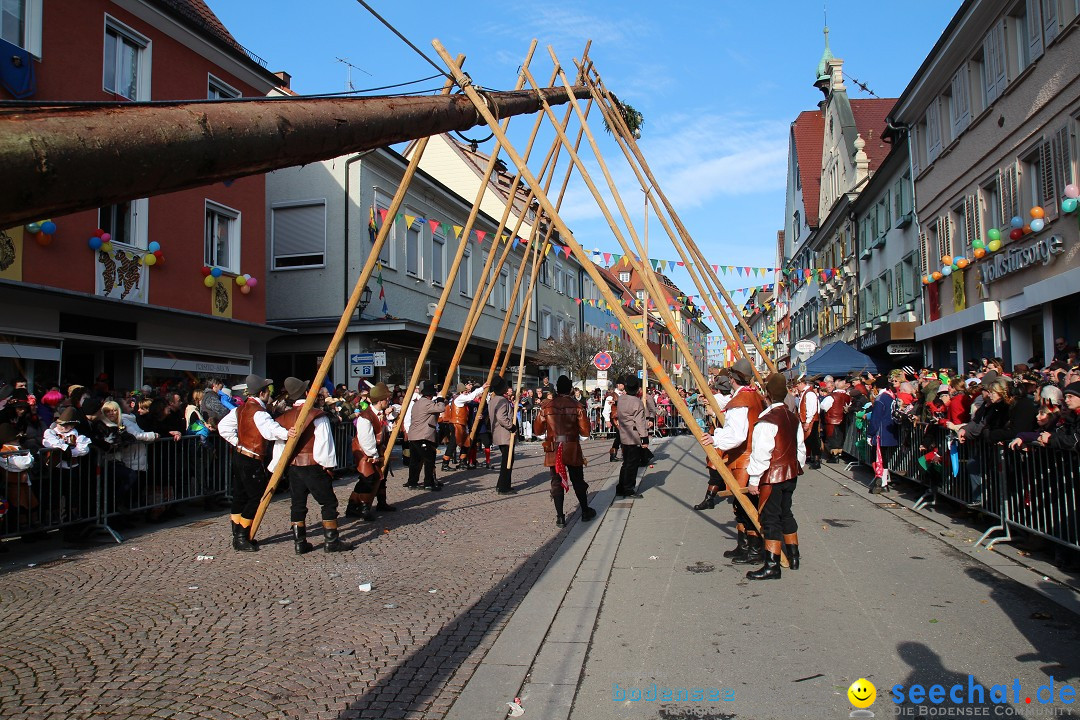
(285, 78)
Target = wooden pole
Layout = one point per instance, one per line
(677, 402)
(614, 119)
(343, 324)
(694, 249)
(538, 258)
(448, 287)
(644, 269)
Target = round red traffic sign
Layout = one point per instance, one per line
(602, 360)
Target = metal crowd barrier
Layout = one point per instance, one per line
(142, 478)
(1033, 489)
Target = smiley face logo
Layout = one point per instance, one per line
(862, 693)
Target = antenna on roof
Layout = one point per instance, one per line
(348, 73)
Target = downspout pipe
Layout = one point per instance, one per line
(899, 127)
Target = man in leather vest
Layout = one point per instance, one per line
(808, 416)
(834, 413)
(248, 428)
(563, 424)
(503, 428)
(458, 411)
(775, 465)
(421, 419)
(311, 469)
(369, 447)
(632, 436)
(735, 440)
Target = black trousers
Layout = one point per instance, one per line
(776, 518)
(422, 456)
(248, 485)
(813, 444)
(577, 481)
(628, 474)
(504, 471)
(311, 480)
(616, 444)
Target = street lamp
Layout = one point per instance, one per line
(365, 299)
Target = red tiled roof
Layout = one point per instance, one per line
(809, 132)
(201, 17)
(870, 115)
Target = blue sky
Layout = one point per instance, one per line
(718, 83)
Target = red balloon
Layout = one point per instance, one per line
(99, 232)
(158, 254)
(205, 271)
(1016, 234)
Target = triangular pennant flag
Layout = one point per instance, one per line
(577, 300)
(567, 250)
(435, 225)
(382, 292)
(515, 243)
(385, 309)
(480, 235)
(409, 220)
(457, 231)
(680, 263)
(447, 228)
(382, 214)
(607, 258)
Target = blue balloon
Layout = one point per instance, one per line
(153, 247)
(947, 270)
(94, 242)
(48, 227)
(1017, 222)
(1037, 225)
(216, 272)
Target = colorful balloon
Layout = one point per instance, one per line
(1037, 212)
(160, 257)
(245, 289)
(1017, 222)
(149, 259)
(1014, 234)
(1068, 205)
(206, 271)
(99, 232)
(925, 279)
(105, 237)
(1037, 225)
(48, 227)
(94, 242)
(106, 246)
(937, 275)
(980, 253)
(978, 244)
(947, 270)
(43, 239)
(1072, 191)
(946, 259)
(33, 228)
(252, 282)
(241, 281)
(993, 234)
(216, 272)
(1026, 229)
(154, 246)
(962, 263)
(995, 245)
(208, 281)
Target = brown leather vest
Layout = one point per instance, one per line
(249, 440)
(445, 416)
(784, 463)
(459, 414)
(840, 401)
(305, 444)
(739, 456)
(565, 421)
(802, 408)
(364, 465)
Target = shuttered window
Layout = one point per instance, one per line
(960, 106)
(1010, 202)
(995, 70)
(1050, 20)
(299, 235)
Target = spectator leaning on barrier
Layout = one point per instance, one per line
(1067, 435)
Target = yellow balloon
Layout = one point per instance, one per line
(149, 259)
(241, 280)
(208, 281)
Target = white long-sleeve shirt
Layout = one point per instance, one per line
(764, 441)
(268, 427)
(736, 425)
(324, 451)
(17, 461)
(826, 403)
(463, 398)
(78, 444)
(408, 413)
(365, 435)
(811, 400)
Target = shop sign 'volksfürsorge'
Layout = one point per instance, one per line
(1010, 260)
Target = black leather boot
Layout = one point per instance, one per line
(740, 548)
(587, 513)
(560, 520)
(243, 541)
(300, 543)
(753, 553)
(792, 552)
(356, 510)
(709, 502)
(333, 542)
(768, 571)
(237, 529)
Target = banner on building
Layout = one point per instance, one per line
(11, 251)
(959, 299)
(221, 297)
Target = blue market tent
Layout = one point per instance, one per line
(836, 358)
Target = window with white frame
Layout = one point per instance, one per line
(571, 284)
(558, 328)
(544, 270)
(504, 289)
(218, 89)
(624, 277)
(222, 238)
(1032, 190)
(388, 251)
(960, 101)
(438, 257)
(465, 280)
(412, 248)
(558, 277)
(995, 67)
(126, 62)
(990, 202)
(933, 130)
(545, 323)
(298, 235)
(20, 24)
(957, 219)
(126, 222)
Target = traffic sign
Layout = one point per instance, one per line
(601, 374)
(602, 360)
(640, 374)
(380, 359)
(365, 370)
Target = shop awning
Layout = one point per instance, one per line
(835, 359)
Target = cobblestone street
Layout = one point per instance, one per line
(145, 629)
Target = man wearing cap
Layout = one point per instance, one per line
(369, 447)
(563, 424)
(735, 440)
(632, 436)
(1067, 435)
(421, 421)
(459, 420)
(834, 410)
(808, 416)
(311, 469)
(775, 465)
(248, 428)
(503, 428)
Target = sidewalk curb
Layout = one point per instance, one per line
(1053, 588)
